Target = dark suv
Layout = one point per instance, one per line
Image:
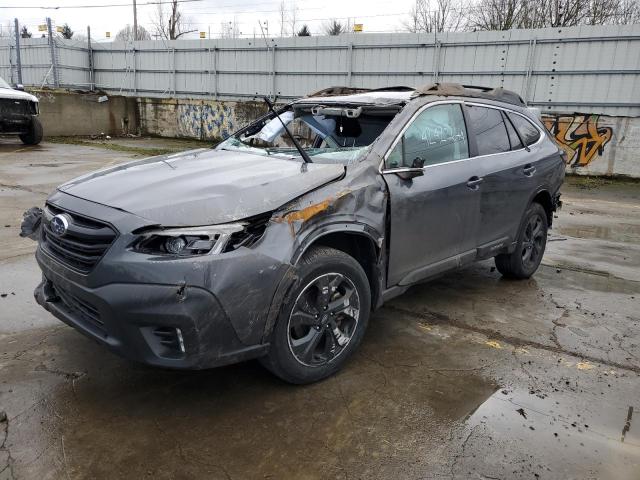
(278, 243)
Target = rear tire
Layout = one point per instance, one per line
(34, 135)
(322, 319)
(532, 240)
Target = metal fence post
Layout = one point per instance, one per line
(531, 58)
(10, 48)
(436, 60)
(273, 73)
(135, 70)
(173, 63)
(91, 70)
(349, 64)
(215, 73)
(52, 49)
(18, 62)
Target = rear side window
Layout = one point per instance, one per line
(528, 132)
(489, 129)
(513, 136)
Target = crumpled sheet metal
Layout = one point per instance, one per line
(31, 222)
(458, 90)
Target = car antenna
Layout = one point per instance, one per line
(303, 154)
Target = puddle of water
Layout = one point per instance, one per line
(622, 232)
(557, 433)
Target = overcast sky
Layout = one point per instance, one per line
(205, 15)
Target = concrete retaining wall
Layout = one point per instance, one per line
(202, 119)
(70, 113)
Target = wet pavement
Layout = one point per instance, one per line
(469, 376)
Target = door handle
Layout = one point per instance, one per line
(529, 170)
(474, 182)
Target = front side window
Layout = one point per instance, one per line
(528, 132)
(489, 129)
(437, 135)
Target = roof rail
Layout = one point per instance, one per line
(457, 90)
(397, 88)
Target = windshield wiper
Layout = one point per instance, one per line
(303, 154)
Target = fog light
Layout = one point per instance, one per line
(175, 245)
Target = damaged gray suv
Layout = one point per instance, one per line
(279, 242)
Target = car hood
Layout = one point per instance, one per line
(16, 94)
(201, 187)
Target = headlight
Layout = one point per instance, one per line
(187, 241)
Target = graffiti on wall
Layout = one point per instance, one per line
(207, 121)
(580, 136)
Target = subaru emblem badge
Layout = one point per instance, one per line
(59, 225)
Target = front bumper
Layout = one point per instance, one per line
(216, 306)
(133, 321)
(17, 123)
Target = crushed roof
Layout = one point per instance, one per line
(401, 95)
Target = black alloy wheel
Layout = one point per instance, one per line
(323, 319)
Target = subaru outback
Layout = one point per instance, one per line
(279, 242)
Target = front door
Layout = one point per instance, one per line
(433, 217)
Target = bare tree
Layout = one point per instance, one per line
(507, 14)
(566, 13)
(495, 15)
(334, 27)
(443, 15)
(293, 17)
(282, 12)
(618, 12)
(170, 24)
(6, 30)
(126, 34)
(230, 29)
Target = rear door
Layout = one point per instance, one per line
(507, 171)
(433, 217)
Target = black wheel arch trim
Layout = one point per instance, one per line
(538, 191)
(291, 275)
(349, 228)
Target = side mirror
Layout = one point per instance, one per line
(418, 162)
(416, 169)
(410, 173)
(20, 87)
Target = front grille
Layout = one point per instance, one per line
(12, 106)
(82, 245)
(81, 308)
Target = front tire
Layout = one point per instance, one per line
(532, 241)
(322, 320)
(35, 133)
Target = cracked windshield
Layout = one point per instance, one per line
(328, 135)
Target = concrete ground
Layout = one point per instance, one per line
(469, 376)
